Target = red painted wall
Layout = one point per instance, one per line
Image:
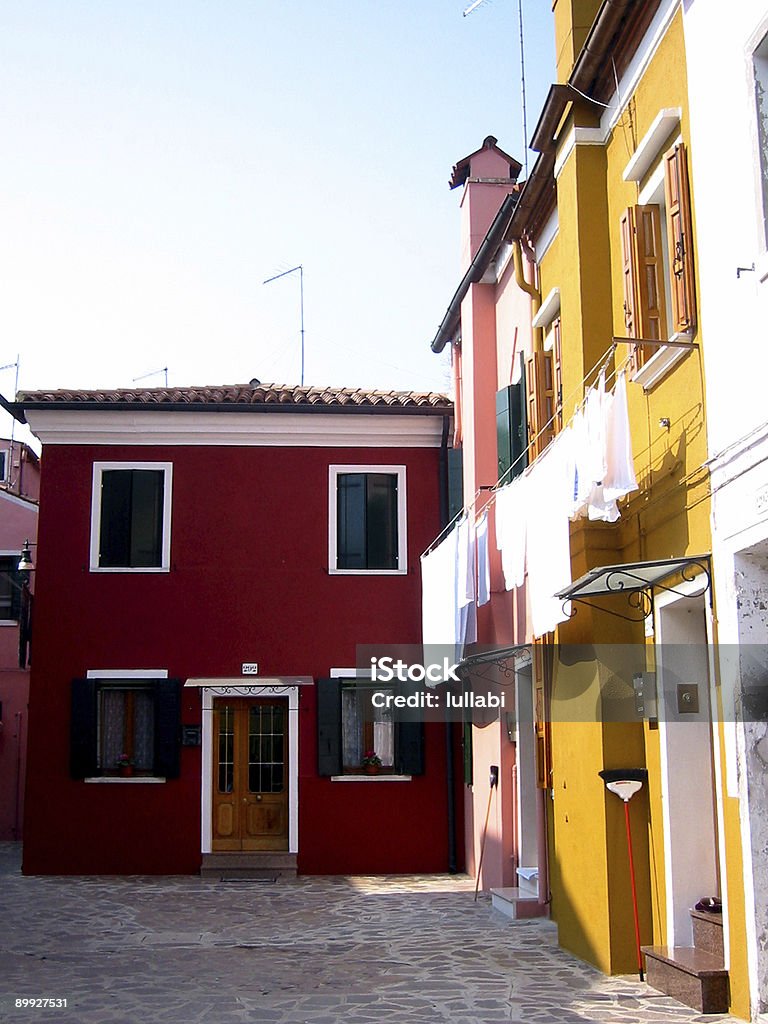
(249, 582)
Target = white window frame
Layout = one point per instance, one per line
(334, 472)
(128, 675)
(165, 553)
(5, 465)
(758, 71)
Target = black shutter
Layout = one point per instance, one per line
(167, 728)
(329, 726)
(409, 744)
(82, 742)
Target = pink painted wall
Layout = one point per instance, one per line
(495, 328)
(18, 521)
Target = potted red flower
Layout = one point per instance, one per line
(124, 765)
(371, 762)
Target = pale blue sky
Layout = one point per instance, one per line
(160, 158)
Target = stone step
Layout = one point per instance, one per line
(517, 903)
(260, 864)
(708, 932)
(692, 976)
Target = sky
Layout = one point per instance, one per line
(162, 158)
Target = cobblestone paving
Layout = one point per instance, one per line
(315, 951)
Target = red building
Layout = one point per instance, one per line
(208, 561)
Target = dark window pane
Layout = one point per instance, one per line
(147, 517)
(114, 540)
(381, 523)
(350, 521)
(10, 587)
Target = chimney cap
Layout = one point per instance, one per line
(461, 170)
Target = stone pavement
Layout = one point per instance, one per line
(396, 949)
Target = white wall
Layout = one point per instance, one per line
(728, 212)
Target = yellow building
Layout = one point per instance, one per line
(601, 243)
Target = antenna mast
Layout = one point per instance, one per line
(473, 7)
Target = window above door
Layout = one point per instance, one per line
(367, 520)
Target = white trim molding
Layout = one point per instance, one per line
(661, 363)
(334, 471)
(165, 551)
(577, 136)
(276, 430)
(649, 147)
(548, 310)
(224, 689)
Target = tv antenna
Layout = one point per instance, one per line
(152, 373)
(481, 3)
(284, 273)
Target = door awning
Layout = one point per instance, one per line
(638, 581)
(242, 682)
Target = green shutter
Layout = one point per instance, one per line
(503, 434)
(518, 427)
(83, 729)
(455, 482)
(329, 726)
(167, 728)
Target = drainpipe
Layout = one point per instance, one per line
(529, 289)
(449, 759)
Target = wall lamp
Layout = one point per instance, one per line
(26, 565)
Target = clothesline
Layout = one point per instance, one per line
(600, 365)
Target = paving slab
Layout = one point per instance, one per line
(395, 949)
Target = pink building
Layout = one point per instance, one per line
(19, 489)
(488, 327)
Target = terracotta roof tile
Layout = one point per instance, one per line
(257, 395)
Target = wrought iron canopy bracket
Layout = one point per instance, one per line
(639, 589)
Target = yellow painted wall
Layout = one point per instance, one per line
(669, 516)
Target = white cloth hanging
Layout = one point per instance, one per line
(511, 520)
(483, 561)
(548, 549)
(620, 478)
(439, 599)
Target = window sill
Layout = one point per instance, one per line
(371, 778)
(661, 363)
(8, 622)
(121, 780)
(367, 572)
(145, 568)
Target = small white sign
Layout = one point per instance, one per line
(761, 501)
(250, 668)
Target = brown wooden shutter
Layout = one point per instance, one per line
(649, 266)
(629, 279)
(557, 370)
(628, 272)
(540, 392)
(680, 239)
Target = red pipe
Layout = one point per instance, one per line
(634, 892)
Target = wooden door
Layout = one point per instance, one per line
(250, 782)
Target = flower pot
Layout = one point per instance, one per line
(371, 769)
(126, 771)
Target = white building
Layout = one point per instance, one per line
(727, 53)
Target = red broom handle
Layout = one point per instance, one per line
(634, 892)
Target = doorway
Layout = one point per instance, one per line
(249, 775)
